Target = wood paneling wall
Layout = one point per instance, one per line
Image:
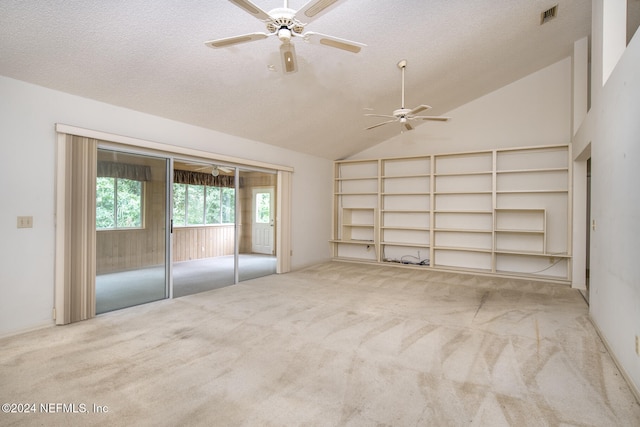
(123, 250)
(202, 242)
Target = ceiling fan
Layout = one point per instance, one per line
(287, 24)
(214, 170)
(406, 115)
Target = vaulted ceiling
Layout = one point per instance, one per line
(150, 56)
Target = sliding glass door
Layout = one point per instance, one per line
(131, 229)
(204, 223)
(219, 219)
(257, 225)
(223, 226)
(117, 244)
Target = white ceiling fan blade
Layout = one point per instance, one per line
(230, 41)
(408, 126)
(288, 55)
(381, 115)
(252, 9)
(419, 109)
(434, 118)
(313, 9)
(380, 124)
(338, 43)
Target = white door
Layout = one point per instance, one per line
(263, 221)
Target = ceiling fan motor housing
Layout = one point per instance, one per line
(284, 19)
(401, 113)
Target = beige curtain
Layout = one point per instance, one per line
(283, 222)
(76, 213)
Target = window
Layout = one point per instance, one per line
(202, 205)
(263, 208)
(118, 203)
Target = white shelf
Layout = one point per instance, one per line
(409, 245)
(533, 170)
(520, 231)
(360, 178)
(354, 242)
(461, 249)
(463, 173)
(427, 175)
(406, 193)
(463, 192)
(405, 211)
(531, 191)
(540, 254)
(453, 211)
(460, 230)
(398, 227)
(356, 194)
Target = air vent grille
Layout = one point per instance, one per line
(548, 14)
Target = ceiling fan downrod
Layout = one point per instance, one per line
(402, 65)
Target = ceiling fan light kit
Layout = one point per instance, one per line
(405, 115)
(283, 23)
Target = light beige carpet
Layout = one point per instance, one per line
(331, 345)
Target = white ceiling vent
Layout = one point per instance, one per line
(548, 15)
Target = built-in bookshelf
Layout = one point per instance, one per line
(533, 212)
(356, 192)
(463, 209)
(405, 210)
(503, 212)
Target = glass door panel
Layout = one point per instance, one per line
(256, 225)
(131, 230)
(204, 214)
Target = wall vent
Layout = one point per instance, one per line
(548, 15)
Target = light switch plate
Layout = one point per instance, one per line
(25, 222)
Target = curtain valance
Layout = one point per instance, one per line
(201, 178)
(124, 170)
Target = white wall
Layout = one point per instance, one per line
(535, 110)
(28, 114)
(612, 128)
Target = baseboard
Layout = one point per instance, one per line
(26, 330)
(634, 388)
(455, 270)
(309, 264)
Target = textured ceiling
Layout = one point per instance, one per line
(150, 56)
